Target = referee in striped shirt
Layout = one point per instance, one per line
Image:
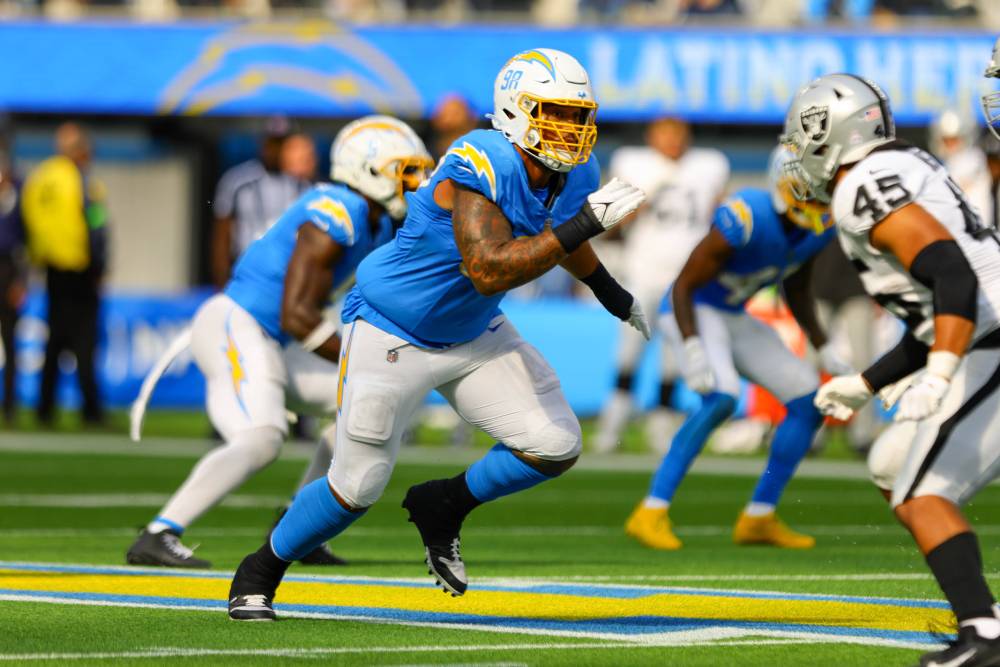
(251, 196)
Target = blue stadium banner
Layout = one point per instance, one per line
(136, 329)
(317, 68)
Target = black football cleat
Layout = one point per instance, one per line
(252, 592)
(439, 525)
(252, 607)
(163, 549)
(968, 650)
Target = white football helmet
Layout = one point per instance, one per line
(951, 124)
(382, 158)
(991, 101)
(808, 214)
(525, 90)
(835, 120)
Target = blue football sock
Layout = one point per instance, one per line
(500, 473)
(688, 442)
(314, 517)
(166, 524)
(790, 443)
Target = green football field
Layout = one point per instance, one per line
(553, 579)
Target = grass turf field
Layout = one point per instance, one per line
(553, 578)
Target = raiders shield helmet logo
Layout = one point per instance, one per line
(814, 123)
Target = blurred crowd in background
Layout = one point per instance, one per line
(880, 13)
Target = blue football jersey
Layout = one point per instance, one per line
(765, 250)
(413, 287)
(258, 279)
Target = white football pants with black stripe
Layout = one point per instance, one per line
(954, 452)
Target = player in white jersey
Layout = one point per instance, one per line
(922, 252)
(953, 140)
(683, 184)
(264, 342)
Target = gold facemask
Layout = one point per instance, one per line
(408, 172)
(808, 214)
(564, 141)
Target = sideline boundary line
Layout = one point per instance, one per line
(175, 652)
(708, 636)
(558, 587)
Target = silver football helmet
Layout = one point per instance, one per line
(835, 120)
(808, 214)
(991, 101)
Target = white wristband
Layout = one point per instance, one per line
(943, 363)
(319, 335)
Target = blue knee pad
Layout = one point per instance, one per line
(500, 473)
(688, 443)
(314, 517)
(790, 444)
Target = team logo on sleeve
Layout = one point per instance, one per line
(743, 215)
(479, 162)
(335, 211)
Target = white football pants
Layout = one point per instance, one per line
(956, 451)
(497, 382)
(738, 344)
(250, 377)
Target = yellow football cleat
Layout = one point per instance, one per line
(651, 528)
(769, 529)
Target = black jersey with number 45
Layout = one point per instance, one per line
(889, 179)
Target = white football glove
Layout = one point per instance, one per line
(614, 202)
(891, 394)
(839, 397)
(698, 375)
(831, 361)
(637, 319)
(923, 398)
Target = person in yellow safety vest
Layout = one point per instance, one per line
(65, 218)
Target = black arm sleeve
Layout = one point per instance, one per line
(615, 298)
(943, 268)
(578, 229)
(909, 355)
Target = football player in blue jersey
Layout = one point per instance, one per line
(264, 343)
(502, 207)
(758, 238)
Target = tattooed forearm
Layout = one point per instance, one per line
(494, 260)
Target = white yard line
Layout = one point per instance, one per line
(341, 650)
(652, 584)
(874, 576)
(706, 636)
(513, 581)
(119, 445)
(92, 500)
(680, 638)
